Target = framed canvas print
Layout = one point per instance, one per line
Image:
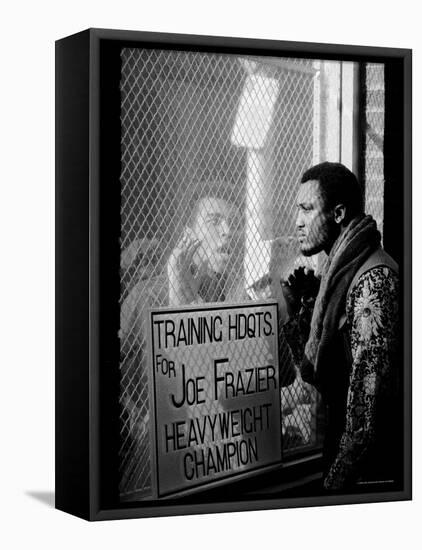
(233, 274)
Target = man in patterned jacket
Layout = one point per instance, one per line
(350, 352)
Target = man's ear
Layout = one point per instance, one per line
(339, 213)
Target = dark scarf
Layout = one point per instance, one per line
(349, 252)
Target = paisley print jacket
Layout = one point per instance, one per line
(372, 316)
(372, 330)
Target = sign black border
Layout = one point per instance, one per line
(237, 475)
(86, 222)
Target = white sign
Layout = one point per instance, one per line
(215, 394)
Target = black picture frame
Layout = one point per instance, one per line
(88, 253)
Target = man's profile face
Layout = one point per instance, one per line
(211, 227)
(315, 226)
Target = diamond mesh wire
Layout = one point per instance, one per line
(204, 125)
(374, 141)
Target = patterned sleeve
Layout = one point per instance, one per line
(372, 312)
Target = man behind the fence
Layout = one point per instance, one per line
(195, 272)
(351, 351)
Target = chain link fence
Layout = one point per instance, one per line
(374, 141)
(195, 125)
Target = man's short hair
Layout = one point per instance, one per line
(338, 185)
(209, 189)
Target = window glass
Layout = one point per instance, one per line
(213, 148)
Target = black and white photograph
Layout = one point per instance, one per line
(248, 282)
(210, 282)
(260, 297)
